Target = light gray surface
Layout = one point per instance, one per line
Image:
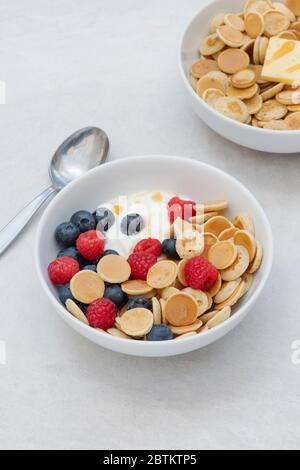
(113, 63)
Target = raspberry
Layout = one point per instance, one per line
(102, 314)
(91, 245)
(140, 264)
(62, 270)
(149, 245)
(179, 208)
(200, 274)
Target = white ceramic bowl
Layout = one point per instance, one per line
(193, 178)
(248, 136)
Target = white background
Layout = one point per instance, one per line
(113, 63)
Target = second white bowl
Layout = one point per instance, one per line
(258, 139)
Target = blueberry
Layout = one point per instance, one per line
(160, 333)
(64, 293)
(139, 302)
(110, 252)
(66, 234)
(132, 224)
(104, 218)
(116, 295)
(84, 220)
(90, 267)
(169, 248)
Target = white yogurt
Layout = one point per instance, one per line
(152, 206)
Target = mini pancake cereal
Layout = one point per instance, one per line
(155, 266)
(248, 69)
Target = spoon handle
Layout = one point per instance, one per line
(10, 232)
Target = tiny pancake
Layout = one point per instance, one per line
(216, 225)
(230, 36)
(182, 330)
(208, 316)
(294, 6)
(201, 298)
(294, 108)
(194, 83)
(181, 309)
(162, 274)
(73, 308)
(199, 220)
(136, 288)
(244, 221)
(87, 286)
(243, 79)
(215, 79)
(239, 267)
(256, 58)
(202, 67)
(259, 6)
(246, 239)
(293, 121)
(284, 9)
(163, 311)
(188, 248)
(181, 272)
(275, 22)
(219, 318)
(257, 69)
(209, 240)
(234, 21)
(275, 125)
(223, 254)
(212, 206)
(203, 329)
(263, 46)
(254, 122)
(114, 269)
(248, 280)
(211, 95)
(233, 108)
(289, 35)
(243, 94)
(254, 24)
(248, 47)
(216, 288)
(271, 92)
(136, 322)
(234, 298)
(255, 265)
(289, 97)
(295, 27)
(232, 61)
(227, 290)
(211, 44)
(217, 21)
(117, 333)
(254, 104)
(168, 291)
(227, 234)
(271, 110)
(185, 336)
(156, 309)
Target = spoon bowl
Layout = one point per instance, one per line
(82, 151)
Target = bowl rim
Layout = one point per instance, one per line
(152, 344)
(198, 99)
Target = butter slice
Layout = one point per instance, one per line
(282, 62)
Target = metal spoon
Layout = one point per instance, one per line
(82, 151)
